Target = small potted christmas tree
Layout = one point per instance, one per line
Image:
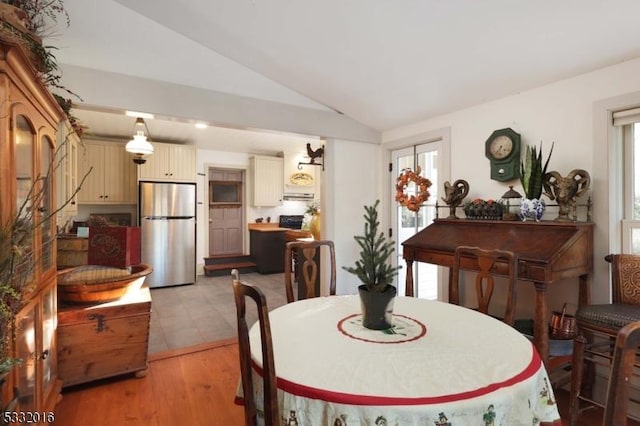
(375, 272)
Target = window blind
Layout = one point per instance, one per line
(627, 116)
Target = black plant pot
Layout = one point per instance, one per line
(377, 308)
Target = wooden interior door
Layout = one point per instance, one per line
(226, 222)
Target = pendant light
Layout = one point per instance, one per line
(139, 146)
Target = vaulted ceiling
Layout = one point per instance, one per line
(383, 63)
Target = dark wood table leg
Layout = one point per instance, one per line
(408, 289)
(454, 296)
(540, 327)
(584, 291)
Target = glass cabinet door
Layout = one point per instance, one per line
(48, 355)
(24, 152)
(26, 345)
(45, 209)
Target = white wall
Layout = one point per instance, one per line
(563, 113)
(352, 180)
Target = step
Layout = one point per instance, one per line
(223, 259)
(222, 269)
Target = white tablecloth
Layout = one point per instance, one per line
(440, 365)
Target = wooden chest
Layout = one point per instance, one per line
(104, 340)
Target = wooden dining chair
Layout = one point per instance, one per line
(305, 255)
(241, 291)
(624, 359)
(486, 263)
(599, 325)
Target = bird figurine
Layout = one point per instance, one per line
(314, 154)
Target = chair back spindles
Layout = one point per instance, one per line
(486, 263)
(624, 356)
(241, 291)
(302, 256)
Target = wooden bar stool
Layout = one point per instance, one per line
(598, 327)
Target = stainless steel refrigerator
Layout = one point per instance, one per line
(168, 222)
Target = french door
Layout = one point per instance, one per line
(428, 157)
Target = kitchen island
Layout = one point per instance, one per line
(267, 242)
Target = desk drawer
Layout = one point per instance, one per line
(441, 259)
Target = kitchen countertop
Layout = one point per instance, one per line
(291, 234)
(266, 227)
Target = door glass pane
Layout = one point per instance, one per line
(406, 219)
(46, 203)
(636, 171)
(49, 323)
(23, 142)
(635, 241)
(409, 223)
(26, 344)
(427, 273)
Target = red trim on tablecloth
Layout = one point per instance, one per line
(423, 330)
(345, 398)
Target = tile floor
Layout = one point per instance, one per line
(188, 315)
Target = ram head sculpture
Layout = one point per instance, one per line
(565, 190)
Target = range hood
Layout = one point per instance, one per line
(299, 183)
(301, 196)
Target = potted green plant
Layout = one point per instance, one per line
(532, 172)
(375, 272)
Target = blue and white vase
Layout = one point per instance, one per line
(532, 209)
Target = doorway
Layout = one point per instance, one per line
(226, 195)
(406, 223)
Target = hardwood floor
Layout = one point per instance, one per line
(189, 387)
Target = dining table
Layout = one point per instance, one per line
(439, 364)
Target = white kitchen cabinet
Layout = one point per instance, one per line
(267, 182)
(113, 178)
(67, 172)
(170, 162)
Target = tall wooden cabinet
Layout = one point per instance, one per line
(28, 124)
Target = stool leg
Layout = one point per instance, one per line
(577, 370)
(589, 373)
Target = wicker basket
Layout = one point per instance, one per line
(96, 284)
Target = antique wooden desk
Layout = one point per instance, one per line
(547, 252)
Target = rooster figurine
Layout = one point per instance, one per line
(314, 154)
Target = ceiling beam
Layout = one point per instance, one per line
(119, 91)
